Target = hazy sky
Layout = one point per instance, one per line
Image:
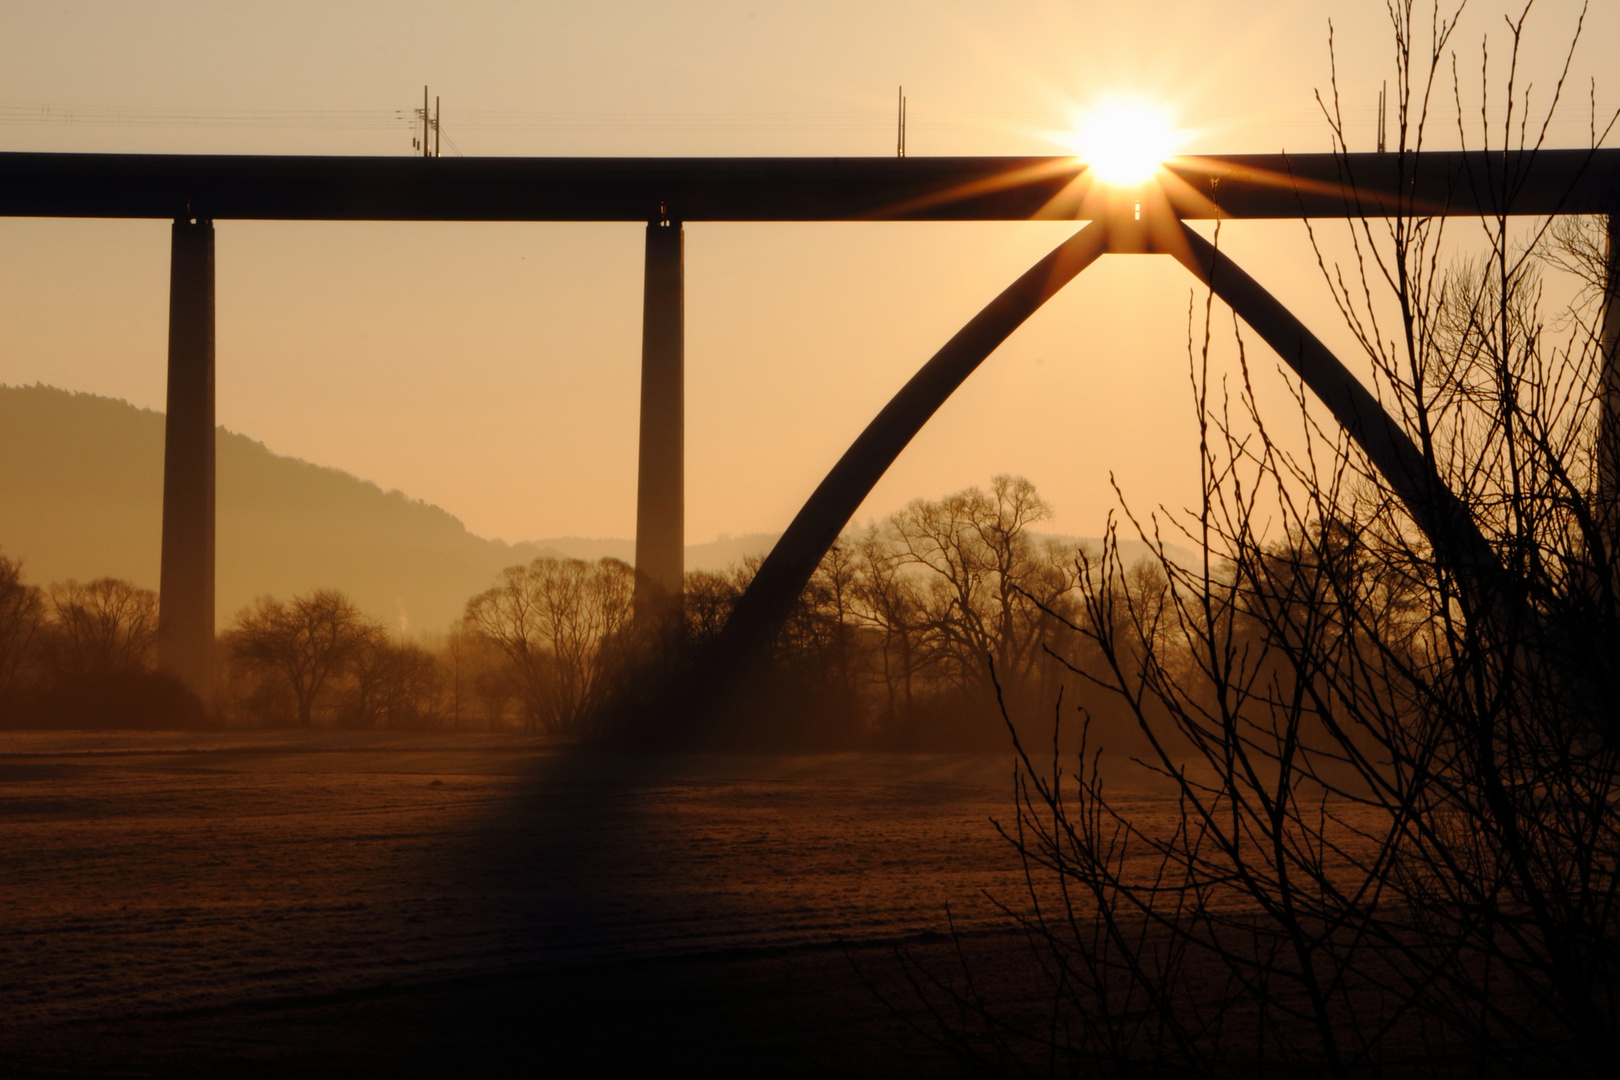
(492, 369)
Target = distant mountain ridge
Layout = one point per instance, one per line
(81, 488)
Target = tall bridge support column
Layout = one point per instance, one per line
(661, 481)
(185, 643)
(1608, 463)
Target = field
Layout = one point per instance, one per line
(365, 904)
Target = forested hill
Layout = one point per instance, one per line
(81, 491)
(81, 486)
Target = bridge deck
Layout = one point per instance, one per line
(790, 189)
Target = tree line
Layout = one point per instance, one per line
(80, 655)
(905, 636)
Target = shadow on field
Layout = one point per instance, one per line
(585, 913)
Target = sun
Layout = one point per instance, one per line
(1124, 140)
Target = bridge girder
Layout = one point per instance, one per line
(1431, 183)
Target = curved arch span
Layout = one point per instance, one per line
(1435, 509)
(783, 575)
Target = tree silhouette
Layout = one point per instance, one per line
(108, 626)
(1393, 842)
(989, 585)
(304, 643)
(563, 624)
(22, 613)
(391, 684)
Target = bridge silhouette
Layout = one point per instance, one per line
(194, 191)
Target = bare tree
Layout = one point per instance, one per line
(892, 602)
(707, 600)
(889, 640)
(22, 614)
(986, 578)
(456, 656)
(393, 684)
(563, 624)
(104, 627)
(1392, 841)
(818, 633)
(303, 644)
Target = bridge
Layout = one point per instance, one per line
(194, 191)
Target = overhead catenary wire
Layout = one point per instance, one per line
(546, 120)
(1283, 125)
(96, 115)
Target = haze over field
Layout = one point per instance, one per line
(81, 485)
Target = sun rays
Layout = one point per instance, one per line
(1124, 139)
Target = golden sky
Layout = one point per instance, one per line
(492, 369)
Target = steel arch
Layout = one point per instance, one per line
(1436, 510)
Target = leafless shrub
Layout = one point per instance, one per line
(1392, 844)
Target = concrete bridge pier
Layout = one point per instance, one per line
(185, 643)
(1609, 374)
(661, 488)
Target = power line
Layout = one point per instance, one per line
(96, 115)
(1305, 120)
